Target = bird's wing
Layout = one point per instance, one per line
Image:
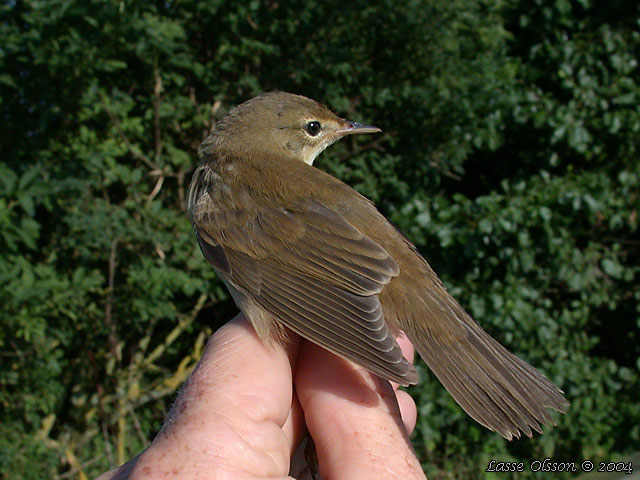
(311, 269)
(495, 387)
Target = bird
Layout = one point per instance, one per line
(300, 250)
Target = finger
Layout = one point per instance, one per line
(408, 410)
(407, 347)
(234, 414)
(294, 427)
(408, 351)
(353, 418)
(405, 402)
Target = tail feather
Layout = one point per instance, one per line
(496, 388)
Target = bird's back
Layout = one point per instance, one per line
(494, 386)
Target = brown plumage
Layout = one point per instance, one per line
(298, 248)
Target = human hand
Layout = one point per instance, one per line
(239, 417)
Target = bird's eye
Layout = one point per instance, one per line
(313, 128)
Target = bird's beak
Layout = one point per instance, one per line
(352, 128)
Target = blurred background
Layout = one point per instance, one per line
(509, 157)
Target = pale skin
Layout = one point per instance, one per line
(245, 408)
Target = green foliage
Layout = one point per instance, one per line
(508, 157)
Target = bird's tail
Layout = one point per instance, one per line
(496, 388)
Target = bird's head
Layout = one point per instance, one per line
(282, 124)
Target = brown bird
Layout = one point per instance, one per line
(298, 248)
